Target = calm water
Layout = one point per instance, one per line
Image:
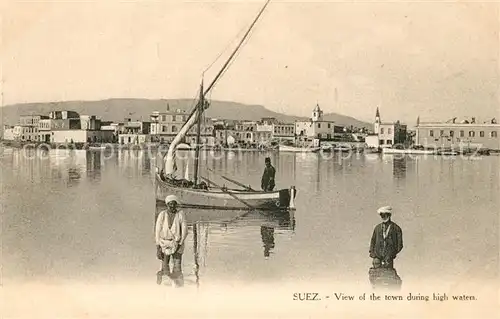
(88, 216)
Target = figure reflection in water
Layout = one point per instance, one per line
(383, 277)
(170, 234)
(285, 221)
(267, 234)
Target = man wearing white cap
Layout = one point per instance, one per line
(387, 240)
(170, 234)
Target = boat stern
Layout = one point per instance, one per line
(287, 198)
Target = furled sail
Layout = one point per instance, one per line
(170, 167)
(169, 159)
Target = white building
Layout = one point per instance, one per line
(315, 127)
(388, 133)
(8, 133)
(135, 132)
(466, 134)
(23, 133)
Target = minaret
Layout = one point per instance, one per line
(376, 126)
(317, 114)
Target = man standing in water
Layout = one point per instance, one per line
(170, 234)
(267, 182)
(387, 240)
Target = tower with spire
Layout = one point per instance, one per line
(317, 114)
(376, 126)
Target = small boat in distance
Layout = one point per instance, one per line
(296, 149)
(412, 150)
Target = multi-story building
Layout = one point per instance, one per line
(264, 131)
(274, 130)
(71, 127)
(135, 132)
(27, 129)
(45, 127)
(315, 128)
(466, 134)
(31, 119)
(284, 132)
(166, 125)
(246, 132)
(389, 133)
(225, 136)
(24, 133)
(8, 132)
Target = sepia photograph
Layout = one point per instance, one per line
(249, 159)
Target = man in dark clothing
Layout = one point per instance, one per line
(267, 182)
(387, 240)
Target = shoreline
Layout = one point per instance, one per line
(164, 147)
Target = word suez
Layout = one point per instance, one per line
(303, 296)
(307, 296)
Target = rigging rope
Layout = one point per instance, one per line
(225, 49)
(224, 67)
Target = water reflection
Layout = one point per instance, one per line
(382, 278)
(399, 167)
(270, 224)
(267, 234)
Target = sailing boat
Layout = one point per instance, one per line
(206, 194)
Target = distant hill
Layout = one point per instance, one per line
(137, 109)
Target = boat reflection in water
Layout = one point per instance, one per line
(201, 221)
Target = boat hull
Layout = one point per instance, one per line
(407, 151)
(224, 200)
(293, 149)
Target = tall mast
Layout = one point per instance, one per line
(226, 64)
(200, 107)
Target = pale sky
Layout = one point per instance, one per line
(436, 60)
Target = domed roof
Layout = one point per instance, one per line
(317, 109)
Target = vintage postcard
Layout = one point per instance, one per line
(250, 159)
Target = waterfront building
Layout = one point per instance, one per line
(389, 133)
(314, 128)
(45, 130)
(283, 132)
(464, 134)
(265, 131)
(24, 133)
(26, 130)
(8, 132)
(372, 140)
(70, 127)
(246, 132)
(225, 136)
(135, 132)
(165, 125)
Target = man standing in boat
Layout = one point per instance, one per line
(387, 240)
(267, 182)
